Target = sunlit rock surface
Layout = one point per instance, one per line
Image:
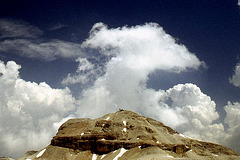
(126, 135)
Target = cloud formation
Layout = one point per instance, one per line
(115, 71)
(233, 121)
(85, 73)
(18, 28)
(28, 111)
(235, 80)
(135, 52)
(26, 40)
(197, 110)
(48, 51)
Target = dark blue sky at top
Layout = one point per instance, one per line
(208, 28)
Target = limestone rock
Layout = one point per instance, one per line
(126, 135)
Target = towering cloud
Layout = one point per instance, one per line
(134, 53)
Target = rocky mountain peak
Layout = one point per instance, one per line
(131, 135)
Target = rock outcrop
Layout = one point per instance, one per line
(126, 135)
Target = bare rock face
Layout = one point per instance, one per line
(127, 135)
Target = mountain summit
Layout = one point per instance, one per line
(126, 135)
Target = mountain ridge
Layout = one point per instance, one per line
(129, 134)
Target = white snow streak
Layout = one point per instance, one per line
(40, 153)
(94, 157)
(184, 136)
(125, 123)
(107, 118)
(124, 130)
(103, 156)
(122, 151)
(82, 134)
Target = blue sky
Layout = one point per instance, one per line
(63, 49)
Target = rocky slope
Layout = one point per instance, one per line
(125, 135)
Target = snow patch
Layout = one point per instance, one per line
(125, 123)
(184, 136)
(94, 157)
(103, 139)
(41, 153)
(215, 155)
(139, 147)
(169, 156)
(107, 118)
(28, 159)
(103, 156)
(122, 151)
(124, 130)
(157, 142)
(82, 134)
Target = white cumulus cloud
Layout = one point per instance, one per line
(198, 111)
(145, 47)
(135, 52)
(83, 75)
(28, 111)
(233, 121)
